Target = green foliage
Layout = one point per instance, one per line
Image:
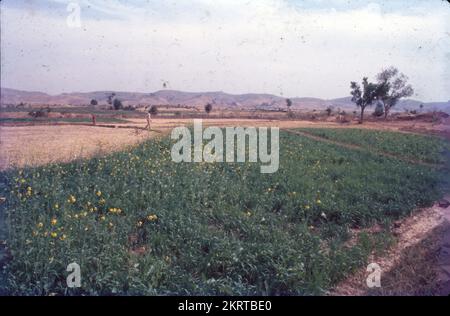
(329, 110)
(364, 97)
(392, 87)
(61, 119)
(417, 147)
(219, 228)
(117, 104)
(288, 103)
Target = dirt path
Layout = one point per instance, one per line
(419, 262)
(356, 147)
(443, 260)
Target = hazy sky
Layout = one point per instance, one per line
(290, 48)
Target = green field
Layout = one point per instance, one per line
(99, 119)
(137, 223)
(417, 147)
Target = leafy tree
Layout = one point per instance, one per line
(329, 110)
(364, 97)
(289, 104)
(111, 98)
(208, 108)
(393, 87)
(117, 104)
(94, 102)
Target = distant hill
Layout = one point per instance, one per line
(199, 99)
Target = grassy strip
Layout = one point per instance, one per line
(417, 147)
(99, 119)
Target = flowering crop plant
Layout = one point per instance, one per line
(138, 223)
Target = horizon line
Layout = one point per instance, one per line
(199, 92)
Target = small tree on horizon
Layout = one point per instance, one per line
(117, 104)
(111, 98)
(208, 108)
(153, 110)
(94, 102)
(364, 97)
(289, 104)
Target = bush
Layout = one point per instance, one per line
(153, 110)
(208, 108)
(329, 110)
(40, 113)
(117, 104)
(379, 110)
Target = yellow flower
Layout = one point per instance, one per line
(318, 201)
(249, 213)
(307, 207)
(102, 217)
(98, 193)
(40, 225)
(140, 223)
(56, 206)
(63, 237)
(111, 224)
(102, 201)
(54, 221)
(54, 234)
(71, 199)
(152, 217)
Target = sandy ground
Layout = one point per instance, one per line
(413, 265)
(37, 145)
